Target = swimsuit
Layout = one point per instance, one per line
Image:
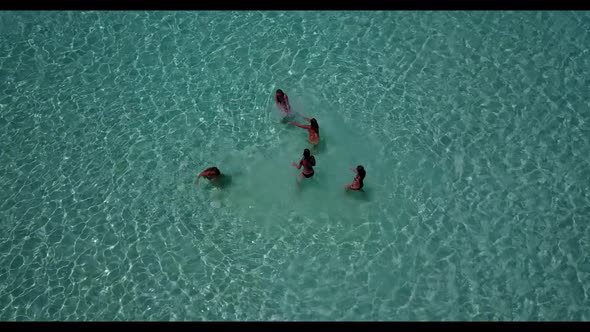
(358, 181)
(307, 163)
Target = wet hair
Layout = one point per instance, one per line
(280, 95)
(216, 170)
(361, 174)
(315, 126)
(307, 156)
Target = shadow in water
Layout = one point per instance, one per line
(363, 195)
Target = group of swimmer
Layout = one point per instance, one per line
(213, 174)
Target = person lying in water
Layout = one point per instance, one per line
(282, 102)
(308, 161)
(313, 129)
(357, 183)
(212, 174)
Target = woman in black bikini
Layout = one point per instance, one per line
(307, 162)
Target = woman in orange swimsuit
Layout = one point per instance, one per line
(357, 183)
(313, 129)
(308, 161)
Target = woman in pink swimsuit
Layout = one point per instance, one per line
(282, 102)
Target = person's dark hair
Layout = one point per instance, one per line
(315, 126)
(307, 156)
(361, 172)
(217, 171)
(280, 95)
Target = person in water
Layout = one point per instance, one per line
(212, 174)
(308, 161)
(282, 102)
(357, 183)
(313, 130)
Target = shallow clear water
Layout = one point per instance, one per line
(472, 126)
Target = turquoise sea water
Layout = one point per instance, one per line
(473, 128)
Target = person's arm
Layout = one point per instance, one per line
(354, 170)
(300, 125)
(297, 166)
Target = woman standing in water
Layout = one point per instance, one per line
(357, 183)
(313, 130)
(282, 102)
(308, 161)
